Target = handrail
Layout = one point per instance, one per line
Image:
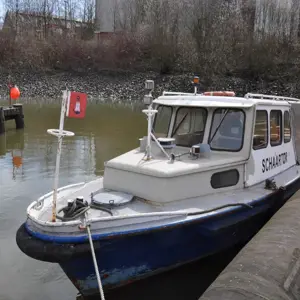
(247, 96)
(178, 93)
(271, 97)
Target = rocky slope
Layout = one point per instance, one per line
(125, 86)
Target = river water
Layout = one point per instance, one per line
(27, 162)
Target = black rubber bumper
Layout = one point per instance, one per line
(48, 251)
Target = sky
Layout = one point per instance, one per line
(1, 9)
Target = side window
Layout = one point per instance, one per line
(276, 127)
(225, 179)
(261, 135)
(287, 127)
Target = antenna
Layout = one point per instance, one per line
(149, 87)
(148, 98)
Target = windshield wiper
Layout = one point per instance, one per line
(177, 127)
(226, 112)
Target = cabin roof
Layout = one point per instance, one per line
(216, 101)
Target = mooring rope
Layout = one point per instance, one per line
(78, 208)
(95, 260)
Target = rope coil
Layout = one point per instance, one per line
(77, 208)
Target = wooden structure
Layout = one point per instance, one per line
(14, 112)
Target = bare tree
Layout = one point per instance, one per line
(87, 15)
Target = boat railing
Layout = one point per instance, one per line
(178, 94)
(271, 97)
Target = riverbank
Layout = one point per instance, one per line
(129, 86)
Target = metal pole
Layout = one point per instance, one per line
(149, 133)
(95, 263)
(58, 153)
(195, 89)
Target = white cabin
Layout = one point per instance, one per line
(242, 140)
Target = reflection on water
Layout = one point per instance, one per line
(11, 151)
(27, 162)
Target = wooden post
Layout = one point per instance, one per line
(2, 121)
(19, 119)
(10, 101)
(2, 144)
(9, 95)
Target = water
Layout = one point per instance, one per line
(27, 161)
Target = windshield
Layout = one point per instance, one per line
(189, 126)
(227, 130)
(162, 121)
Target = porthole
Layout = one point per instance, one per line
(225, 179)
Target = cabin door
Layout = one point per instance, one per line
(296, 126)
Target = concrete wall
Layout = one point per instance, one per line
(108, 15)
(105, 15)
(268, 267)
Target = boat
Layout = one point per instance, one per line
(211, 170)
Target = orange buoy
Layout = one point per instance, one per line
(220, 93)
(17, 161)
(14, 93)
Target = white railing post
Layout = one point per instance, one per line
(60, 133)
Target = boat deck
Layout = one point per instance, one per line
(140, 206)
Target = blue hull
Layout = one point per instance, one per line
(122, 261)
(125, 258)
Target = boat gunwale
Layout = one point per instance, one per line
(51, 251)
(100, 236)
(145, 215)
(83, 238)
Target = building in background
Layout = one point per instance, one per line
(267, 17)
(108, 16)
(105, 16)
(41, 27)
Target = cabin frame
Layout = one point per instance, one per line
(173, 179)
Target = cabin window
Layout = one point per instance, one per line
(189, 126)
(287, 127)
(260, 138)
(275, 127)
(227, 130)
(225, 179)
(162, 121)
